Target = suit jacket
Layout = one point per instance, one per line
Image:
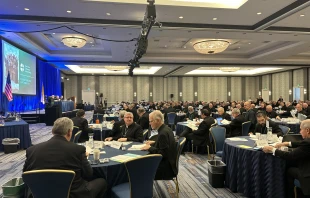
(166, 146)
(83, 125)
(134, 133)
(251, 116)
(271, 114)
(242, 110)
(144, 121)
(99, 111)
(58, 153)
(226, 116)
(301, 154)
(201, 135)
(191, 116)
(236, 126)
(263, 129)
(117, 127)
(211, 109)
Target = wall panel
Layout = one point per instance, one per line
(236, 91)
(280, 86)
(188, 88)
(143, 92)
(158, 88)
(298, 78)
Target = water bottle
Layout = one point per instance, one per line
(91, 141)
(269, 134)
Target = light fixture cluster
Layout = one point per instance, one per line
(74, 42)
(211, 46)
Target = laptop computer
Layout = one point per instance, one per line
(219, 121)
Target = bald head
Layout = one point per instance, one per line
(269, 108)
(247, 105)
(299, 107)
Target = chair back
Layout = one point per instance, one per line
(292, 138)
(145, 133)
(74, 131)
(49, 183)
(218, 135)
(284, 129)
(99, 117)
(246, 128)
(171, 118)
(180, 145)
(141, 178)
(77, 136)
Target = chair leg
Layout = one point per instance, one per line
(295, 191)
(176, 186)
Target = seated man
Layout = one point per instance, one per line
(191, 114)
(60, 153)
(300, 159)
(117, 126)
(261, 125)
(99, 110)
(306, 108)
(82, 123)
(201, 135)
(130, 131)
(165, 145)
(300, 110)
(223, 115)
(143, 118)
(235, 127)
(270, 113)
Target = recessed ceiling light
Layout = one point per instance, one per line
(239, 47)
(190, 42)
(184, 47)
(302, 15)
(249, 43)
(181, 17)
(259, 13)
(108, 13)
(69, 11)
(214, 19)
(90, 42)
(26, 9)
(166, 46)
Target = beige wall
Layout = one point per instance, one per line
(120, 88)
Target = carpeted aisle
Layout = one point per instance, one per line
(193, 172)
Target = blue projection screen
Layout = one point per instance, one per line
(22, 68)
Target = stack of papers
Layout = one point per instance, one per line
(123, 158)
(236, 139)
(244, 146)
(225, 122)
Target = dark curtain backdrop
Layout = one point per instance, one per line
(46, 75)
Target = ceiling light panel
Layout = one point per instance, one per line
(242, 71)
(227, 4)
(90, 70)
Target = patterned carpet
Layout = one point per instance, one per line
(193, 171)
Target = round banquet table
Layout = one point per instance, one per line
(114, 172)
(253, 173)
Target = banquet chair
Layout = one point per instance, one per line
(171, 119)
(77, 136)
(74, 131)
(179, 147)
(205, 144)
(284, 129)
(43, 183)
(246, 128)
(141, 179)
(297, 185)
(145, 134)
(218, 135)
(97, 116)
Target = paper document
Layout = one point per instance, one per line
(123, 158)
(244, 146)
(235, 139)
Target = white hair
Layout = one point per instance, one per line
(62, 126)
(157, 115)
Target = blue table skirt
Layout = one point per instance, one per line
(16, 129)
(253, 173)
(114, 172)
(65, 105)
(89, 107)
(180, 128)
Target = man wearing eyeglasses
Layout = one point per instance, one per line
(130, 131)
(300, 160)
(165, 145)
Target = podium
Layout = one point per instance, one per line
(52, 114)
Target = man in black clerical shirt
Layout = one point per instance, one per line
(299, 168)
(261, 126)
(130, 131)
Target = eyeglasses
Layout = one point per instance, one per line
(129, 117)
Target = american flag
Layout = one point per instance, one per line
(8, 88)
